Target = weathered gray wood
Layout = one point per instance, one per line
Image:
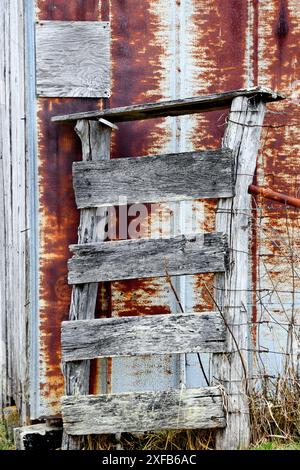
(142, 258)
(133, 336)
(234, 218)
(95, 138)
(180, 107)
(173, 177)
(73, 59)
(15, 229)
(144, 411)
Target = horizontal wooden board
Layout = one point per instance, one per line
(192, 105)
(144, 411)
(133, 336)
(73, 59)
(142, 258)
(183, 176)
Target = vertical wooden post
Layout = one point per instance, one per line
(234, 218)
(95, 138)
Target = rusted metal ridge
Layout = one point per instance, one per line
(173, 108)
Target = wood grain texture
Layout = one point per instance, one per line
(133, 336)
(15, 228)
(159, 178)
(200, 408)
(180, 107)
(142, 258)
(95, 138)
(73, 59)
(234, 218)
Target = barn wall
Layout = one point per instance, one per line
(160, 49)
(14, 228)
(276, 273)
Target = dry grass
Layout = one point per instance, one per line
(275, 410)
(160, 440)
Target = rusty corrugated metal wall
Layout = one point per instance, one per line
(167, 49)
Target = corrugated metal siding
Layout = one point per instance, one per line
(161, 49)
(278, 226)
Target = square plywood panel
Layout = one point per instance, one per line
(73, 59)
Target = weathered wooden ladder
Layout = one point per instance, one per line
(223, 174)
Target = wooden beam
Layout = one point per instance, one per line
(234, 217)
(95, 138)
(142, 258)
(180, 107)
(200, 408)
(133, 336)
(154, 179)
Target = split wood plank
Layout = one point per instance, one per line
(154, 179)
(232, 288)
(180, 107)
(73, 59)
(133, 336)
(95, 138)
(145, 257)
(200, 408)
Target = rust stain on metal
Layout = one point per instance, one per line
(255, 39)
(204, 282)
(137, 73)
(140, 297)
(60, 10)
(278, 225)
(58, 147)
(109, 365)
(282, 29)
(221, 26)
(218, 65)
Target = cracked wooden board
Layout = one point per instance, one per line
(200, 408)
(133, 336)
(145, 257)
(154, 179)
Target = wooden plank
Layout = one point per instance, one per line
(73, 59)
(158, 178)
(95, 139)
(133, 336)
(200, 408)
(234, 217)
(142, 258)
(180, 107)
(16, 227)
